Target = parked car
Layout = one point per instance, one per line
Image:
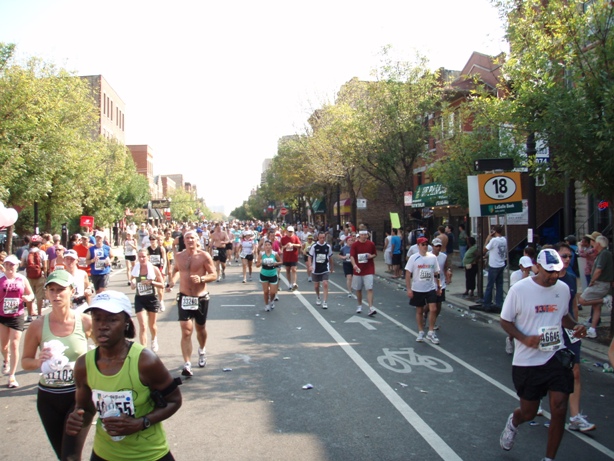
(3, 239)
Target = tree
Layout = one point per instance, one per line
(561, 74)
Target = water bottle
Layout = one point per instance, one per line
(113, 411)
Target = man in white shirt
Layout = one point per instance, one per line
(535, 312)
(496, 246)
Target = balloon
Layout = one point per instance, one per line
(8, 216)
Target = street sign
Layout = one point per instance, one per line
(283, 211)
(490, 164)
(407, 198)
(500, 193)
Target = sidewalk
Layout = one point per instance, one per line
(598, 352)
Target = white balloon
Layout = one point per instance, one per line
(8, 216)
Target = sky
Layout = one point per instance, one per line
(212, 86)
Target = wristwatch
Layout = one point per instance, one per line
(146, 422)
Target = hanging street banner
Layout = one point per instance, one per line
(494, 193)
(430, 195)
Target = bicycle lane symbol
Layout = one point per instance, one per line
(402, 361)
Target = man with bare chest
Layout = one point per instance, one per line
(219, 240)
(195, 268)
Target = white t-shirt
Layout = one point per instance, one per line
(497, 251)
(441, 259)
(516, 276)
(530, 307)
(423, 270)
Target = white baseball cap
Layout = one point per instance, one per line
(111, 301)
(550, 260)
(525, 261)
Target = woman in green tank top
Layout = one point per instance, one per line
(60, 337)
(126, 384)
(268, 260)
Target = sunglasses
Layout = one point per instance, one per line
(565, 256)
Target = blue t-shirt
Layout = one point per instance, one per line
(395, 243)
(345, 251)
(103, 253)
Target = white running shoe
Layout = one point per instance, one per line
(187, 370)
(276, 298)
(202, 357)
(579, 423)
(318, 301)
(372, 312)
(432, 337)
(267, 308)
(324, 305)
(359, 309)
(420, 337)
(154, 344)
(508, 435)
(591, 333)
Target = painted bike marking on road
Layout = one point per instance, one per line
(396, 361)
(237, 305)
(410, 415)
(593, 443)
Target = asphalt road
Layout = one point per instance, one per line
(377, 394)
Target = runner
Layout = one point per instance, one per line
(247, 254)
(14, 291)
(170, 255)
(129, 253)
(422, 279)
(61, 336)
(83, 291)
(291, 245)
(146, 280)
(362, 255)
(99, 260)
(344, 255)
(157, 257)
(219, 240)
(445, 266)
(269, 260)
(127, 385)
(195, 268)
(321, 265)
(533, 312)
(305, 250)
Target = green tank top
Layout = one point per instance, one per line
(57, 373)
(125, 391)
(268, 260)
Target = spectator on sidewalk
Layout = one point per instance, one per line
(496, 246)
(462, 243)
(470, 261)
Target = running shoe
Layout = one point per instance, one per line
(276, 298)
(272, 305)
(28, 319)
(540, 410)
(318, 301)
(349, 295)
(294, 287)
(372, 312)
(591, 333)
(187, 370)
(13, 384)
(359, 309)
(267, 308)
(508, 435)
(420, 337)
(244, 281)
(154, 344)
(607, 302)
(432, 337)
(309, 279)
(436, 327)
(324, 305)
(509, 345)
(579, 423)
(202, 357)
(219, 278)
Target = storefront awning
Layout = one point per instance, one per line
(319, 206)
(346, 207)
(430, 195)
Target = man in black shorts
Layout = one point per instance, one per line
(219, 240)
(195, 268)
(534, 314)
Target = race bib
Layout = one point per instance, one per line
(155, 259)
(189, 303)
(100, 265)
(10, 306)
(425, 275)
(144, 289)
(242, 255)
(363, 258)
(216, 253)
(121, 400)
(291, 248)
(550, 338)
(82, 262)
(320, 258)
(62, 377)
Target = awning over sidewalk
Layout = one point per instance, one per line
(346, 207)
(430, 195)
(319, 206)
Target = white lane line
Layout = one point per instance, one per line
(593, 443)
(423, 429)
(237, 305)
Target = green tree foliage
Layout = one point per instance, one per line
(48, 154)
(184, 206)
(561, 73)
